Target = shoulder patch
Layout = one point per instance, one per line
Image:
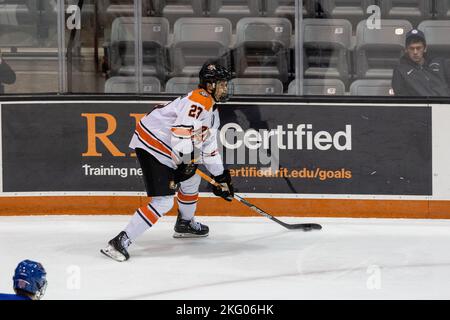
(202, 97)
(204, 93)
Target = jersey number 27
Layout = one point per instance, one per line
(195, 112)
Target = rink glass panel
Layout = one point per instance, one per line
(156, 47)
(29, 43)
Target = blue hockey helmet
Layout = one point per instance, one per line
(30, 276)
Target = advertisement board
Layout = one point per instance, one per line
(273, 149)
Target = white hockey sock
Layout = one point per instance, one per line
(187, 204)
(136, 227)
(145, 217)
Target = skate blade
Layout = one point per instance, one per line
(113, 254)
(178, 235)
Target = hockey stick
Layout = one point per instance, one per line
(300, 226)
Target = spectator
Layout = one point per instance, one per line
(417, 74)
(7, 75)
(29, 282)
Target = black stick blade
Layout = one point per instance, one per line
(304, 226)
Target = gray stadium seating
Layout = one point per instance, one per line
(378, 51)
(197, 40)
(29, 23)
(414, 11)
(128, 85)
(326, 45)
(286, 9)
(437, 34)
(262, 48)
(14, 12)
(309, 8)
(155, 38)
(371, 88)
(443, 9)
(116, 8)
(175, 9)
(48, 22)
(241, 86)
(319, 87)
(18, 23)
(257, 86)
(181, 85)
(109, 10)
(234, 10)
(352, 10)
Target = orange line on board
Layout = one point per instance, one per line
(120, 205)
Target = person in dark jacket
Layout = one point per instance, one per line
(417, 74)
(7, 75)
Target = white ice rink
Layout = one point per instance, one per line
(243, 258)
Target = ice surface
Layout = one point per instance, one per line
(243, 258)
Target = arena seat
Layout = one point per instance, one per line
(372, 87)
(128, 85)
(286, 9)
(319, 87)
(19, 21)
(197, 40)
(109, 10)
(442, 9)
(414, 11)
(378, 51)
(234, 10)
(176, 9)
(437, 34)
(181, 85)
(257, 86)
(262, 48)
(326, 45)
(352, 10)
(154, 40)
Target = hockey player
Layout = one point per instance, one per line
(169, 143)
(29, 282)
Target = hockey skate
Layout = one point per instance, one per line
(117, 247)
(189, 229)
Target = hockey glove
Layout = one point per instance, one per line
(186, 169)
(185, 172)
(226, 190)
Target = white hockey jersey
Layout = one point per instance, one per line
(176, 127)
